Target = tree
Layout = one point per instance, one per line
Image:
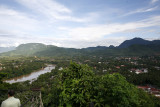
(80, 86)
(76, 85)
(113, 90)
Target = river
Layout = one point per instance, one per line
(31, 77)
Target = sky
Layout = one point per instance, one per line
(78, 23)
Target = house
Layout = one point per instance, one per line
(135, 63)
(138, 71)
(145, 70)
(151, 90)
(118, 67)
(87, 61)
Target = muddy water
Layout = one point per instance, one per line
(33, 76)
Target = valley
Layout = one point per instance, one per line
(80, 53)
(82, 71)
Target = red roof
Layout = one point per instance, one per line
(146, 87)
(153, 89)
(143, 87)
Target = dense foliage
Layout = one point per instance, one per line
(78, 86)
(22, 91)
(18, 67)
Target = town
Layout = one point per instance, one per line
(141, 71)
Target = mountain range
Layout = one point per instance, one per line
(138, 41)
(133, 47)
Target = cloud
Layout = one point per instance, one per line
(95, 32)
(83, 44)
(81, 37)
(15, 26)
(140, 30)
(15, 41)
(52, 10)
(64, 42)
(15, 22)
(36, 24)
(154, 1)
(141, 10)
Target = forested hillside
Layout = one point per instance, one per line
(102, 76)
(127, 48)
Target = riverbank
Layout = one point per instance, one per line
(32, 76)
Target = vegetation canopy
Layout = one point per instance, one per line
(80, 87)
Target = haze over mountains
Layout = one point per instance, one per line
(135, 46)
(6, 49)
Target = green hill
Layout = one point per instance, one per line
(127, 48)
(26, 49)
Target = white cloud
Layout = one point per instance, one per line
(141, 10)
(45, 5)
(19, 27)
(63, 28)
(14, 22)
(154, 1)
(84, 36)
(83, 44)
(52, 10)
(99, 31)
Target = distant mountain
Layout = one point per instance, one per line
(26, 49)
(58, 52)
(39, 49)
(30, 48)
(137, 41)
(133, 47)
(6, 49)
